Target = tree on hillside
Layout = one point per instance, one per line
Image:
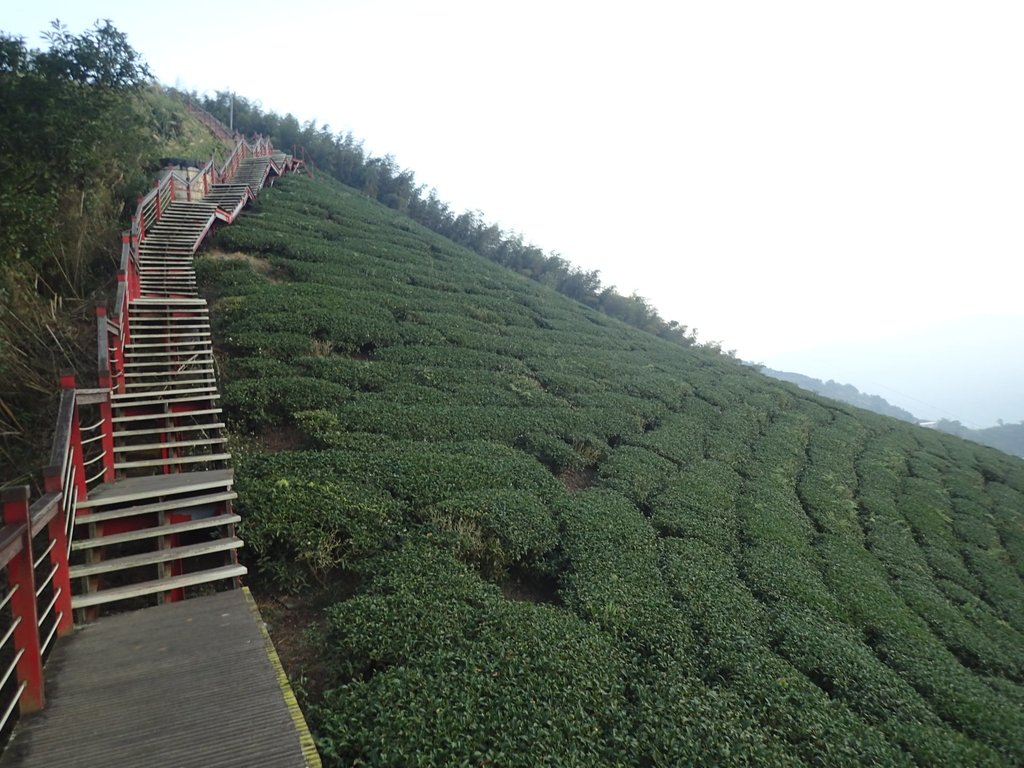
(73, 146)
(68, 138)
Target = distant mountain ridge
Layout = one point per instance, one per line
(1008, 438)
(845, 393)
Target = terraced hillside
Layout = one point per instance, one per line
(557, 540)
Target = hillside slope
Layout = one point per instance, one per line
(556, 540)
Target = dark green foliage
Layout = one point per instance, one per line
(439, 669)
(65, 180)
(298, 527)
(720, 569)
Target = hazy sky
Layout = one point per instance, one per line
(785, 176)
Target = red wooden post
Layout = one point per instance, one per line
(134, 285)
(107, 441)
(156, 186)
(142, 220)
(67, 381)
(131, 277)
(108, 380)
(20, 575)
(117, 382)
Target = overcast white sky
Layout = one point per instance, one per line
(786, 176)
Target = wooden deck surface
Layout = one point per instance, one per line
(194, 683)
(136, 488)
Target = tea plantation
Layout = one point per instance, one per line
(567, 542)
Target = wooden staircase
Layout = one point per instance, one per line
(165, 524)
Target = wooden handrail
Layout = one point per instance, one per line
(219, 129)
(43, 510)
(10, 542)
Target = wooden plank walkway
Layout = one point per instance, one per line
(189, 684)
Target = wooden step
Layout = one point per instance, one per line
(162, 430)
(123, 400)
(167, 259)
(175, 461)
(130, 397)
(153, 301)
(171, 332)
(171, 445)
(159, 506)
(156, 586)
(156, 486)
(169, 372)
(182, 361)
(137, 358)
(167, 328)
(140, 318)
(164, 416)
(169, 529)
(162, 314)
(146, 323)
(171, 368)
(155, 386)
(172, 341)
(156, 556)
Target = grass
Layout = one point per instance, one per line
(727, 569)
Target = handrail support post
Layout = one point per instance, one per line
(20, 574)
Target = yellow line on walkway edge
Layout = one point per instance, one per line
(305, 738)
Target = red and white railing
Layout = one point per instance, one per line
(35, 542)
(36, 536)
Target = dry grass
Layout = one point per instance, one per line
(263, 266)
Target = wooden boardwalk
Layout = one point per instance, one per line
(190, 682)
(193, 683)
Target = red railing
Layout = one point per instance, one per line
(36, 537)
(35, 542)
(115, 330)
(299, 158)
(218, 128)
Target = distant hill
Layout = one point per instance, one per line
(968, 368)
(1008, 438)
(844, 393)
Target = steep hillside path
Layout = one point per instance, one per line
(139, 514)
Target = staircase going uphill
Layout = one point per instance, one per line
(136, 513)
(162, 524)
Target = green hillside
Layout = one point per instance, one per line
(545, 538)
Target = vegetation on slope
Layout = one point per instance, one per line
(555, 540)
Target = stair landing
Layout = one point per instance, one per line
(179, 686)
